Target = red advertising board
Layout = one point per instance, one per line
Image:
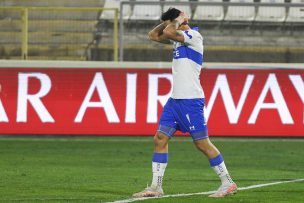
(128, 101)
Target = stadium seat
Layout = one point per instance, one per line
(146, 12)
(115, 4)
(296, 14)
(184, 8)
(212, 13)
(271, 13)
(240, 13)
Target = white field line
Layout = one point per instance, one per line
(208, 192)
(139, 199)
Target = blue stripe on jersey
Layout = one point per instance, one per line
(186, 52)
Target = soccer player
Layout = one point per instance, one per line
(184, 111)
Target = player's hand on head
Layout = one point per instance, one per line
(182, 18)
(185, 16)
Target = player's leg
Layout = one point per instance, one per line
(161, 142)
(195, 119)
(206, 146)
(160, 155)
(159, 164)
(217, 163)
(159, 159)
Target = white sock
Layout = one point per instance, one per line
(158, 170)
(222, 172)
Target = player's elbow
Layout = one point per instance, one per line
(152, 36)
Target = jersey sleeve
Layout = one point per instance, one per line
(191, 37)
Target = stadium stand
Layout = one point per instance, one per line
(240, 13)
(230, 28)
(115, 4)
(186, 8)
(53, 34)
(140, 12)
(210, 12)
(271, 13)
(296, 14)
(55, 3)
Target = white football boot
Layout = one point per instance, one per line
(225, 190)
(150, 192)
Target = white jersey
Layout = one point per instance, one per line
(186, 67)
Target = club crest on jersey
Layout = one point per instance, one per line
(176, 53)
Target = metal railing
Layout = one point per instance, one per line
(25, 16)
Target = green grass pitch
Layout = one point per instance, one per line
(103, 169)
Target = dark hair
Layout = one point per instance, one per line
(170, 14)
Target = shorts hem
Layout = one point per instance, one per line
(167, 130)
(201, 138)
(167, 134)
(200, 135)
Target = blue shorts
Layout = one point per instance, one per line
(186, 115)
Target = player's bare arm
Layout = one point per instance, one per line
(156, 34)
(171, 32)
